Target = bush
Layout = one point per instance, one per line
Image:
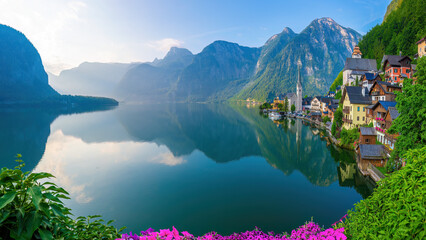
(33, 210)
(333, 129)
(326, 119)
(265, 105)
(349, 136)
(396, 209)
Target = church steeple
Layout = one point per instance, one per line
(299, 89)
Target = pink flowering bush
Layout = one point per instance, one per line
(309, 231)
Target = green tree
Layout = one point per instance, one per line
(396, 209)
(411, 105)
(293, 108)
(306, 95)
(280, 106)
(326, 119)
(286, 104)
(338, 117)
(333, 128)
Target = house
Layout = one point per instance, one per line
(331, 94)
(384, 91)
(421, 46)
(367, 135)
(331, 109)
(371, 153)
(356, 67)
(390, 116)
(324, 102)
(368, 80)
(396, 68)
(354, 100)
(316, 104)
(379, 113)
(316, 116)
(306, 103)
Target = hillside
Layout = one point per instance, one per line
(395, 4)
(321, 47)
(400, 32)
(217, 73)
(22, 75)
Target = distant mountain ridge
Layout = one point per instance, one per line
(225, 70)
(23, 80)
(321, 48)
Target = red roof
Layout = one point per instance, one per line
(421, 40)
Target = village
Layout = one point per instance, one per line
(363, 108)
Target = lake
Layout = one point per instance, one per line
(198, 167)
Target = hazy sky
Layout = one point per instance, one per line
(67, 33)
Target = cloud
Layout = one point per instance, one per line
(165, 44)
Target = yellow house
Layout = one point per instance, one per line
(355, 101)
(421, 45)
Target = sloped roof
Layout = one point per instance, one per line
(421, 40)
(370, 76)
(356, 97)
(394, 60)
(368, 131)
(372, 151)
(360, 64)
(393, 113)
(385, 104)
(326, 100)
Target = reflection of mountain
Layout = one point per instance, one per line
(291, 146)
(25, 131)
(216, 130)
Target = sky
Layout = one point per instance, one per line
(69, 32)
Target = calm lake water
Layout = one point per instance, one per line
(198, 167)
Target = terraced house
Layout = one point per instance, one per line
(396, 68)
(380, 110)
(355, 101)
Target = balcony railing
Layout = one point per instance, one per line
(346, 110)
(375, 93)
(346, 120)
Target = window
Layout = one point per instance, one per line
(363, 118)
(358, 109)
(363, 109)
(395, 78)
(357, 118)
(367, 140)
(395, 70)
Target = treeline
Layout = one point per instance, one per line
(400, 32)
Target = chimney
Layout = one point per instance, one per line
(363, 92)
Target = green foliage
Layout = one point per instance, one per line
(286, 104)
(265, 105)
(338, 95)
(400, 32)
(338, 81)
(396, 209)
(338, 117)
(349, 136)
(333, 128)
(326, 119)
(411, 105)
(280, 106)
(293, 108)
(370, 125)
(31, 208)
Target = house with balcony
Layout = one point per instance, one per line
(379, 113)
(354, 100)
(324, 103)
(331, 109)
(390, 139)
(316, 104)
(384, 91)
(368, 79)
(306, 103)
(396, 68)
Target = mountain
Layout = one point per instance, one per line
(24, 82)
(395, 4)
(95, 79)
(217, 72)
(321, 47)
(22, 75)
(153, 81)
(403, 27)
